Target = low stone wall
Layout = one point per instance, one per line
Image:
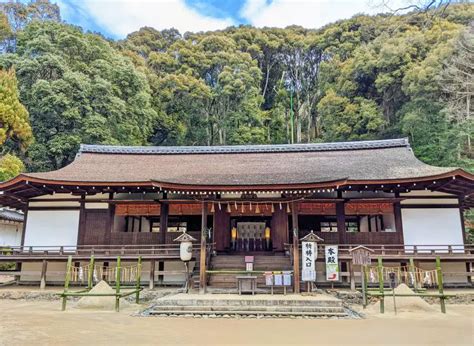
(355, 298)
(146, 295)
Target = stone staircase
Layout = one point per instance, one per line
(259, 305)
(269, 262)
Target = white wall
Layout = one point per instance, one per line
(432, 226)
(10, 234)
(51, 227)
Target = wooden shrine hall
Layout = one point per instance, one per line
(242, 200)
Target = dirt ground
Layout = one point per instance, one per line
(42, 323)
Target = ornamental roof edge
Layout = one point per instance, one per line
(242, 149)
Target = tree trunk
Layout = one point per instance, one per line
(298, 129)
(468, 117)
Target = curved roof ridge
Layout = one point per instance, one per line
(239, 149)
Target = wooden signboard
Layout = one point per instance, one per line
(361, 255)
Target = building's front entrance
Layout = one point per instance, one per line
(250, 234)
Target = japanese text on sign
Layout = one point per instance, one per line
(308, 255)
(332, 263)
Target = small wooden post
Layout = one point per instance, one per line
(161, 268)
(381, 289)
(117, 285)
(44, 268)
(440, 285)
(351, 276)
(90, 274)
(139, 274)
(151, 284)
(202, 257)
(364, 285)
(413, 273)
(66, 281)
(296, 247)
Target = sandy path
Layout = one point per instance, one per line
(42, 323)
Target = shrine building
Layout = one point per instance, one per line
(237, 201)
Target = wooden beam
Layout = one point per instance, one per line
(296, 250)
(202, 257)
(429, 206)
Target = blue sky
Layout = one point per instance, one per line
(117, 18)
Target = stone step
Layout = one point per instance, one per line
(255, 302)
(246, 313)
(260, 309)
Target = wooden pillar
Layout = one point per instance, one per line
(44, 268)
(397, 213)
(464, 237)
(164, 210)
(161, 268)
(463, 225)
(81, 233)
(352, 276)
(279, 228)
(111, 221)
(221, 228)
(202, 253)
(151, 284)
(341, 222)
(25, 218)
(296, 250)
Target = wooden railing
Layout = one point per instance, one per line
(172, 251)
(402, 251)
(161, 250)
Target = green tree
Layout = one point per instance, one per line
(10, 166)
(15, 130)
(77, 89)
(457, 82)
(19, 14)
(344, 119)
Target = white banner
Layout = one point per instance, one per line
(308, 256)
(332, 263)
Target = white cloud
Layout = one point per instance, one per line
(307, 13)
(121, 17)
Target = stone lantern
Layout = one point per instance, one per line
(186, 253)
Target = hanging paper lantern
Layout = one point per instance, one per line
(288, 208)
(273, 209)
(235, 205)
(250, 207)
(220, 207)
(257, 209)
(243, 209)
(228, 208)
(212, 208)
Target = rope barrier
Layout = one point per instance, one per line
(81, 273)
(412, 276)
